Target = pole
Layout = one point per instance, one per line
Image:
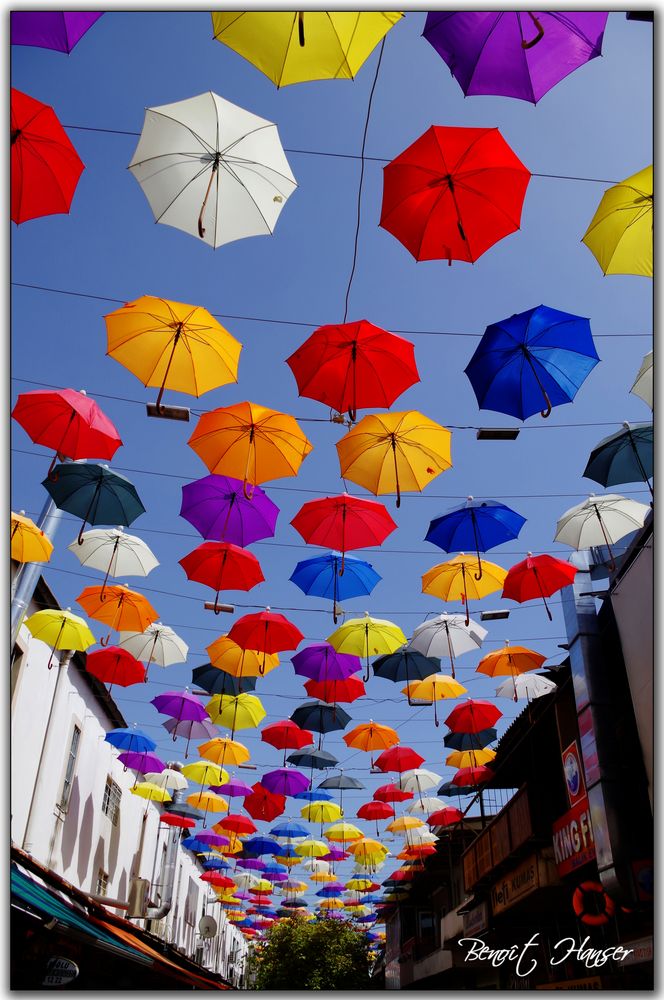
(49, 519)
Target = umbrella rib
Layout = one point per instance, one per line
(239, 180)
(182, 190)
(189, 129)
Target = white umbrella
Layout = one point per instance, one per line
(158, 644)
(245, 880)
(525, 686)
(114, 553)
(315, 865)
(600, 521)
(447, 635)
(643, 386)
(212, 169)
(168, 778)
(420, 835)
(418, 779)
(426, 805)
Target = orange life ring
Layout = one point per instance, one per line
(580, 900)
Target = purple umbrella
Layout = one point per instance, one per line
(322, 663)
(242, 895)
(254, 863)
(334, 854)
(516, 54)
(219, 510)
(191, 730)
(212, 839)
(50, 30)
(143, 762)
(182, 707)
(285, 781)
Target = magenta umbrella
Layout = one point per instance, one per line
(285, 781)
(217, 507)
(57, 30)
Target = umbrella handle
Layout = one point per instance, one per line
(50, 659)
(201, 228)
(465, 595)
(546, 606)
(179, 327)
(538, 37)
(105, 641)
(396, 469)
(300, 28)
(612, 565)
(50, 475)
(546, 413)
(478, 575)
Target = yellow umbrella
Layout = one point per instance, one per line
(209, 801)
(172, 346)
(344, 833)
(359, 884)
(223, 750)
(390, 452)
(469, 758)
(457, 580)
(294, 46)
(59, 630)
(312, 848)
(510, 661)
(250, 442)
(235, 844)
(225, 654)
(321, 812)
(242, 711)
(323, 877)
(148, 790)
(358, 909)
(367, 637)
(205, 773)
(367, 846)
(295, 886)
(432, 689)
(262, 885)
(620, 233)
(28, 542)
(331, 904)
(289, 862)
(403, 823)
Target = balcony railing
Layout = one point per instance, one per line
(510, 829)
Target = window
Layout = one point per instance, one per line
(111, 802)
(102, 883)
(70, 767)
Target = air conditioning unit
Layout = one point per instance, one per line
(138, 897)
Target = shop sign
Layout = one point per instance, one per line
(533, 873)
(573, 772)
(59, 971)
(573, 842)
(592, 983)
(642, 951)
(476, 920)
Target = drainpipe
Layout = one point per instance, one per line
(170, 863)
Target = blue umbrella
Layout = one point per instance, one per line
(314, 795)
(319, 577)
(475, 524)
(94, 493)
(261, 845)
(215, 864)
(534, 358)
(625, 457)
(130, 739)
(287, 851)
(329, 892)
(274, 868)
(289, 829)
(194, 844)
(216, 681)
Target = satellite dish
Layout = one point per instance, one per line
(207, 927)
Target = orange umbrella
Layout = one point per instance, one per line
(510, 661)
(250, 442)
(123, 609)
(225, 654)
(371, 736)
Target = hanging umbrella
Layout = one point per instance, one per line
(67, 421)
(222, 566)
(285, 781)
(476, 524)
(190, 730)
(170, 345)
(353, 365)
(114, 553)
(391, 452)
(510, 661)
(600, 521)
(139, 760)
(60, 630)
(371, 736)
(292, 47)
(367, 637)
(212, 169)
(620, 232)
(315, 759)
(56, 30)
(532, 361)
(417, 780)
(342, 782)
(118, 607)
(286, 735)
(168, 778)
(28, 542)
(95, 494)
(343, 523)
(264, 804)
(217, 507)
(447, 816)
(343, 833)
(427, 804)
(346, 691)
(321, 577)
(515, 54)
(406, 664)
(453, 193)
(45, 167)
(114, 665)
(472, 776)
(261, 845)
(208, 801)
(320, 717)
(448, 636)
(238, 825)
(222, 751)
(538, 576)
(182, 822)
(469, 741)
(472, 716)
(216, 681)
(398, 758)
(132, 740)
(528, 686)
(204, 772)
(289, 828)
(181, 707)
(461, 578)
(432, 689)
(375, 810)
(625, 457)
(311, 848)
(471, 758)
(267, 632)
(226, 655)
(242, 711)
(157, 644)
(403, 823)
(391, 793)
(643, 384)
(146, 790)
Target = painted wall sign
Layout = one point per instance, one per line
(573, 771)
(535, 872)
(476, 920)
(59, 971)
(573, 841)
(642, 951)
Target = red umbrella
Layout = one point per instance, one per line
(391, 793)
(346, 690)
(262, 804)
(445, 817)
(267, 632)
(216, 878)
(472, 775)
(68, 421)
(352, 365)
(454, 193)
(375, 810)
(286, 735)
(45, 167)
(472, 716)
(343, 523)
(222, 566)
(172, 819)
(114, 665)
(537, 576)
(417, 851)
(236, 823)
(398, 758)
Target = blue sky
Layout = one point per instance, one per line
(595, 124)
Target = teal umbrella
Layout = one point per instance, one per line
(94, 493)
(625, 457)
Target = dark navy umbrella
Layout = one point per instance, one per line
(475, 524)
(261, 845)
(94, 493)
(216, 681)
(320, 717)
(532, 361)
(405, 665)
(318, 759)
(625, 457)
(470, 741)
(341, 781)
(319, 577)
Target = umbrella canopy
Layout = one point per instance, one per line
(433, 689)
(118, 607)
(371, 736)
(28, 542)
(515, 54)
(391, 793)
(461, 578)
(354, 365)
(157, 644)
(537, 576)
(405, 665)
(343, 523)
(240, 825)
(170, 345)
(146, 790)
(242, 711)
(95, 494)
(140, 760)
(190, 729)
(445, 817)
(532, 361)
(222, 750)
(292, 47)
(321, 812)
(510, 661)
(320, 717)
(184, 824)
(375, 810)
(417, 780)
(403, 823)
(472, 716)
(448, 636)
(179, 705)
(322, 662)
(114, 665)
(620, 232)
(528, 686)
(469, 740)
(60, 630)
(56, 30)
(226, 655)
(204, 772)
(470, 758)
(398, 758)
(453, 193)
(168, 778)
(217, 507)
(222, 566)
(477, 524)
(321, 577)
(214, 680)
(367, 637)
(343, 833)
(426, 804)
(114, 553)
(600, 521)
(131, 739)
(625, 457)
(267, 632)
(261, 845)
(315, 759)
(264, 804)
(289, 828)
(286, 735)
(391, 452)
(347, 690)
(472, 776)
(643, 384)
(69, 422)
(285, 781)
(212, 169)
(45, 167)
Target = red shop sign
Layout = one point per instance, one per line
(573, 843)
